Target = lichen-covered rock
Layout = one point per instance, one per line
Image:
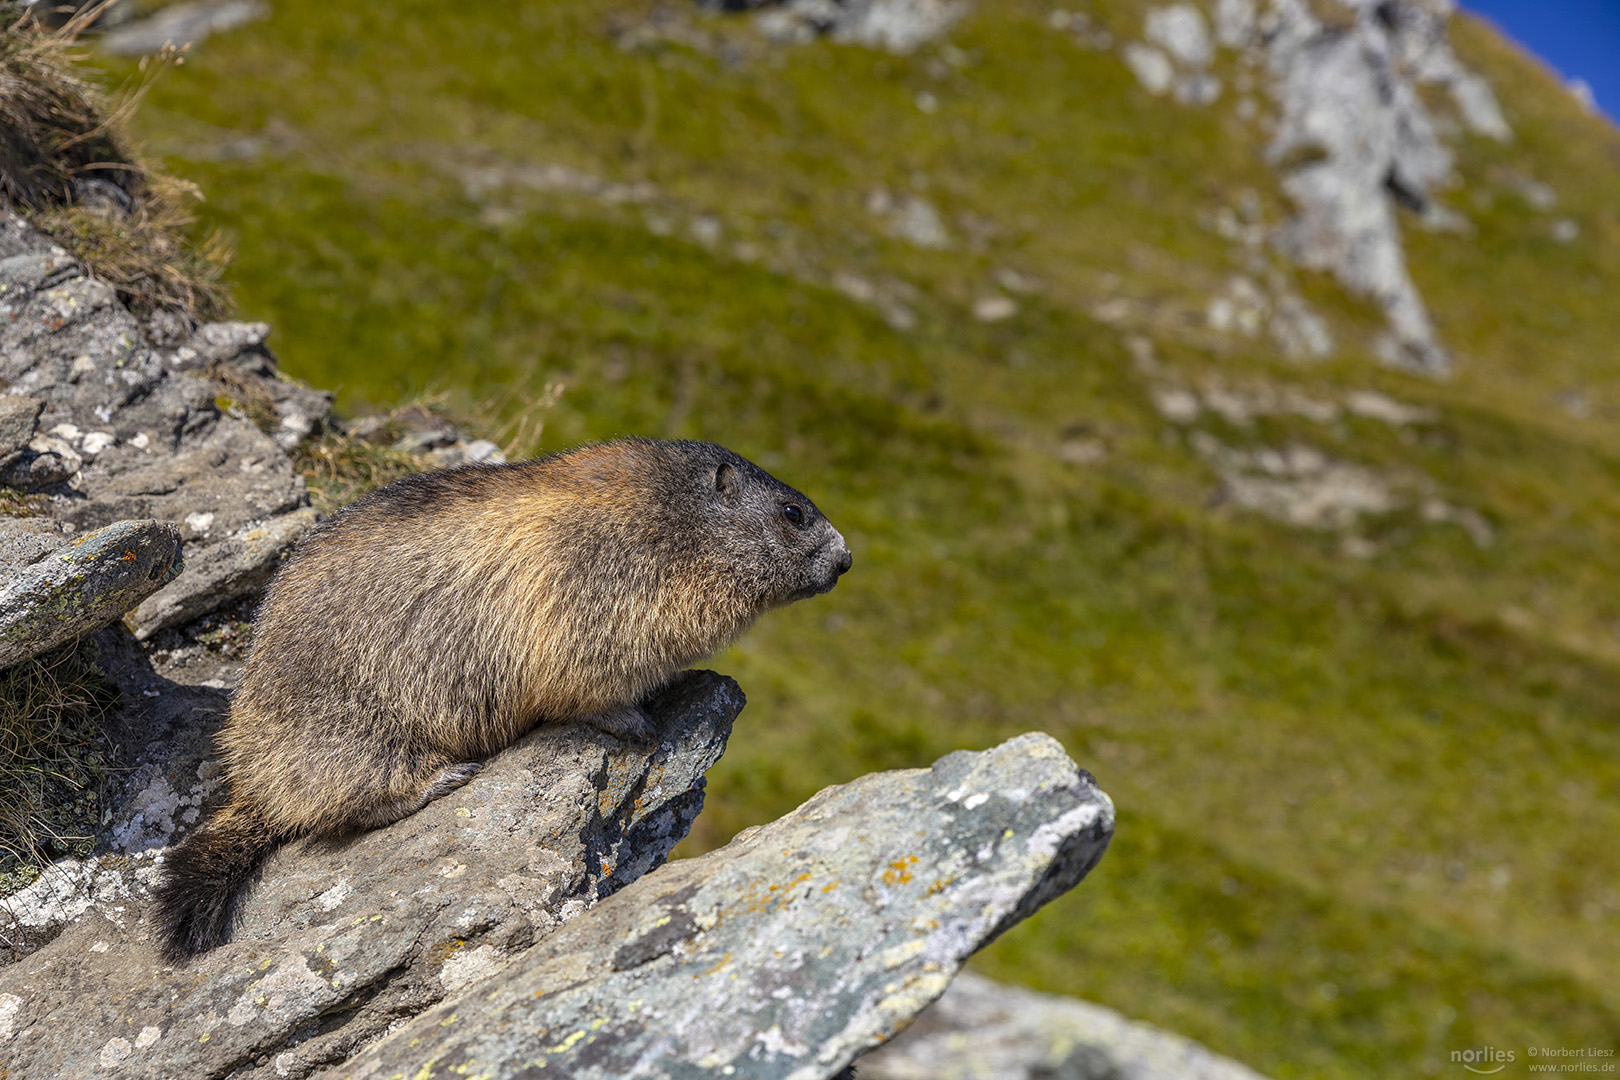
(83, 585)
(344, 937)
(790, 951)
(985, 1030)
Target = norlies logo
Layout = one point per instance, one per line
(1483, 1060)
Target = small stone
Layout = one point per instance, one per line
(1181, 31)
(917, 222)
(1151, 67)
(994, 308)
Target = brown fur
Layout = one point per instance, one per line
(434, 622)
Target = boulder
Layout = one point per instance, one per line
(235, 567)
(18, 416)
(898, 26)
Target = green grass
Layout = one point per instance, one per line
(1366, 806)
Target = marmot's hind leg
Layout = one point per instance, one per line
(625, 722)
(439, 782)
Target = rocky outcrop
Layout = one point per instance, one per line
(985, 1030)
(103, 426)
(1353, 140)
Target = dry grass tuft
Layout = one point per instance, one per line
(339, 468)
(66, 164)
(53, 761)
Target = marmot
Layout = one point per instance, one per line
(427, 626)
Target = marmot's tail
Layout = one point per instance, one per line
(202, 877)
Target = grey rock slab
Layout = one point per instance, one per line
(343, 937)
(984, 1030)
(236, 566)
(232, 477)
(84, 585)
(787, 953)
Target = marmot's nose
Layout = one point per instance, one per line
(845, 561)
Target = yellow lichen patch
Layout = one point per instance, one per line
(899, 871)
(724, 960)
(568, 1043)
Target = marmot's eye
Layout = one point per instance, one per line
(793, 514)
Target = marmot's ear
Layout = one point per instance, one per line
(726, 481)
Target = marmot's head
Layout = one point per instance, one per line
(768, 540)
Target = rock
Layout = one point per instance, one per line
(343, 938)
(122, 429)
(1352, 98)
(25, 541)
(17, 418)
(182, 24)
(1342, 101)
(1151, 67)
(1298, 484)
(899, 26)
(916, 221)
(45, 461)
(1181, 31)
(237, 566)
(84, 585)
(984, 1030)
(793, 949)
(1355, 141)
(994, 308)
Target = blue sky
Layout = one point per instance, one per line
(1579, 38)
